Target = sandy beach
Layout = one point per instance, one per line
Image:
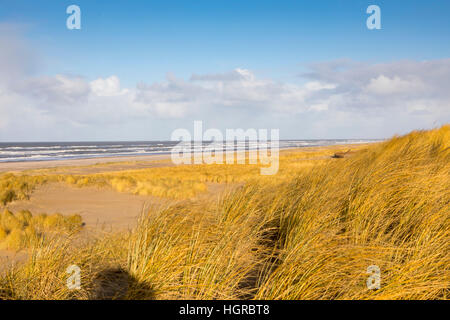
(31, 165)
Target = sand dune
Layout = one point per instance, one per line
(104, 208)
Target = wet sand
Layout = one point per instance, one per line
(31, 165)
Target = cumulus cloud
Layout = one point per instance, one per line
(238, 90)
(342, 94)
(383, 85)
(345, 86)
(107, 87)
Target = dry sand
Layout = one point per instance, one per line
(9, 258)
(99, 207)
(104, 208)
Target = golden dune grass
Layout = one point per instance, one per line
(173, 182)
(309, 233)
(23, 230)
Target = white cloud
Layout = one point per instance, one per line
(383, 85)
(53, 92)
(317, 86)
(335, 98)
(107, 87)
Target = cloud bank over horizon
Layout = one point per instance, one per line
(333, 99)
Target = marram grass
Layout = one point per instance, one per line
(309, 234)
(23, 230)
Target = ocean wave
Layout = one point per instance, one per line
(10, 152)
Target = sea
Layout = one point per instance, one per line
(44, 151)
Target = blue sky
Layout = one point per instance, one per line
(142, 42)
